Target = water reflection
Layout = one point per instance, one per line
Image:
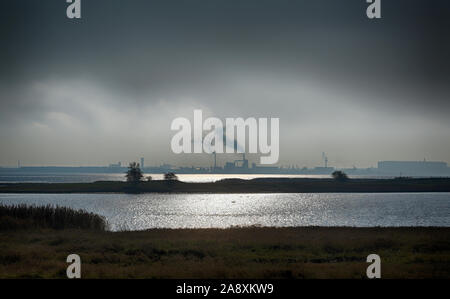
(137, 212)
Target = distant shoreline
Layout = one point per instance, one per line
(260, 185)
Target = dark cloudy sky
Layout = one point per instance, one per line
(106, 88)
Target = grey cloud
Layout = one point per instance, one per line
(311, 63)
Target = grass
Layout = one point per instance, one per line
(308, 252)
(35, 242)
(23, 216)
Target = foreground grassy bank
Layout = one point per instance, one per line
(229, 253)
(266, 185)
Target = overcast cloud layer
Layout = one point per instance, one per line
(106, 88)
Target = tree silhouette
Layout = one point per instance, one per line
(170, 176)
(340, 176)
(134, 173)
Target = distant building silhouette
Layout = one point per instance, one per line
(237, 165)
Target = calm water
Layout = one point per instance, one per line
(138, 212)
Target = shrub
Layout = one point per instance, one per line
(340, 176)
(170, 176)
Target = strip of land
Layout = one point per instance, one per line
(265, 185)
(309, 252)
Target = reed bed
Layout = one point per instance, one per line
(49, 216)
